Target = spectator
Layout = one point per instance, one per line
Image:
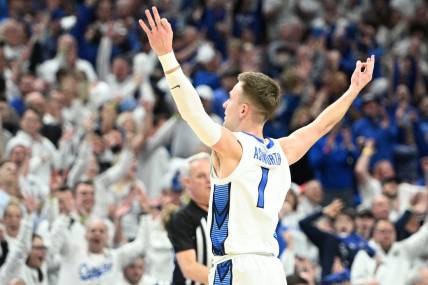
(133, 274)
(178, 136)
(86, 204)
(17, 254)
(51, 130)
(376, 125)
(381, 208)
(160, 254)
(209, 62)
(382, 181)
(405, 152)
(311, 198)
(44, 155)
(247, 21)
(333, 159)
(12, 220)
(82, 263)
(392, 261)
(412, 219)
(364, 222)
(293, 84)
(289, 235)
(34, 269)
(15, 39)
(131, 191)
(8, 184)
(123, 84)
(221, 94)
(340, 243)
(66, 57)
(216, 19)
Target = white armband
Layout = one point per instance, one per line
(168, 61)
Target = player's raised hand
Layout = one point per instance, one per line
(158, 31)
(363, 74)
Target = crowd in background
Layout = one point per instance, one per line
(91, 144)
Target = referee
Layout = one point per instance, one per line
(188, 230)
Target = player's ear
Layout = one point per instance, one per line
(243, 110)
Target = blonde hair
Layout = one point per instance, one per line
(262, 91)
(13, 203)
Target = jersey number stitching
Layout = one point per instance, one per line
(262, 187)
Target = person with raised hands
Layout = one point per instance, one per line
(250, 173)
(393, 260)
(337, 245)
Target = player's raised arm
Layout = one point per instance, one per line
(300, 141)
(160, 35)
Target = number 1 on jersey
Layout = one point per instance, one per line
(262, 187)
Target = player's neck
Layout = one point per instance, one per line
(255, 130)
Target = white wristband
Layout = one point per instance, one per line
(168, 61)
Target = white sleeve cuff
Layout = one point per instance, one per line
(168, 61)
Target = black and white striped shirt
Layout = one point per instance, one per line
(188, 230)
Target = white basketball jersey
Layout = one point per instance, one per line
(244, 206)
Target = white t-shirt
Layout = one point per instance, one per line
(80, 267)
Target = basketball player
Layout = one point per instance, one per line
(250, 174)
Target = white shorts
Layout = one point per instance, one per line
(247, 269)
